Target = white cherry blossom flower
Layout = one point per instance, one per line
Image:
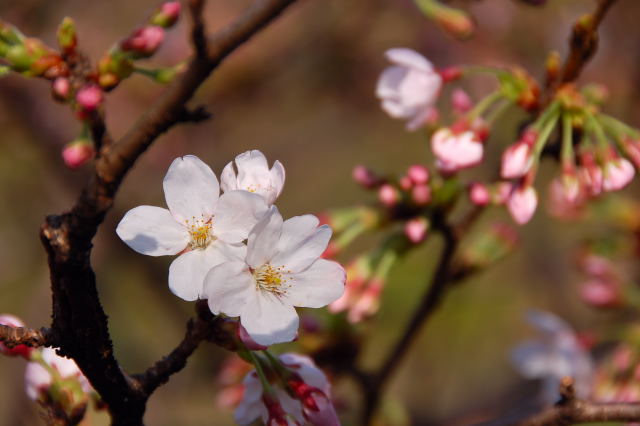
(456, 150)
(254, 176)
(555, 354)
(317, 391)
(282, 269)
(200, 225)
(409, 89)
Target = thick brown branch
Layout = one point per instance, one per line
(14, 336)
(584, 41)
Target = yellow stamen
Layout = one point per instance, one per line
(200, 232)
(271, 278)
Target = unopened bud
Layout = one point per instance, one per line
(450, 74)
(553, 67)
(600, 294)
(479, 194)
(166, 15)
(365, 177)
(89, 98)
(10, 34)
(67, 39)
(454, 21)
(460, 101)
(77, 153)
(61, 88)
(388, 195)
(143, 42)
(421, 194)
(416, 229)
(418, 174)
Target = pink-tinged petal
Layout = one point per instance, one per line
(36, 378)
(236, 214)
(389, 83)
(263, 239)
(426, 115)
(188, 271)
(229, 287)
(268, 320)
(516, 161)
(191, 189)
(325, 415)
(317, 286)
(522, 204)
(307, 369)
(300, 244)
(457, 151)
(251, 407)
(617, 174)
(228, 179)
(277, 178)
(408, 58)
(152, 231)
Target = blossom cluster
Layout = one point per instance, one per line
(235, 249)
(598, 153)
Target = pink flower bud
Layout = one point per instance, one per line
(368, 302)
(516, 160)
(77, 153)
(618, 173)
(144, 42)
(89, 98)
(418, 174)
(405, 183)
(632, 149)
(590, 174)
(461, 101)
(451, 74)
(23, 351)
(522, 204)
(479, 194)
(365, 177)
(502, 192)
(61, 88)
(388, 195)
(170, 11)
(421, 194)
(600, 294)
(456, 151)
(416, 229)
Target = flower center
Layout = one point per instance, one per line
(200, 232)
(271, 278)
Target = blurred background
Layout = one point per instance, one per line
(302, 92)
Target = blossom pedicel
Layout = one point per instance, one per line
(19, 350)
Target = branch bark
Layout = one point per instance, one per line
(14, 336)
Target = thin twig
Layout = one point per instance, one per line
(584, 41)
(14, 336)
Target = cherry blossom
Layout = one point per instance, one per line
(522, 204)
(516, 160)
(409, 88)
(617, 174)
(254, 176)
(556, 354)
(456, 151)
(282, 269)
(201, 226)
(38, 378)
(308, 400)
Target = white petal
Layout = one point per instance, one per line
(277, 179)
(152, 231)
(263, 239)
(251, 406)
(389, 82)
(300, 252)
(35, 378)
(236, 214)
(191, 188)
(229, 287)
(228, 179)
(408, 58)
(268, 320)
(297, 229)
(251, 163)
(317, 286)
(187, 272)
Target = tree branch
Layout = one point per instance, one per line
(584, 41)
(571, 410)
(14, 336)
(440, 281)
(79, 321)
